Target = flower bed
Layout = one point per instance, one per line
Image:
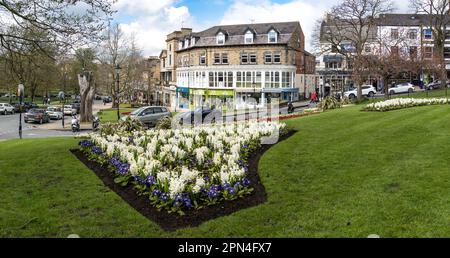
(185, 169)
(401, 103)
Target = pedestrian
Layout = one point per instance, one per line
(314, 97)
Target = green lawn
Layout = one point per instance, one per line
(346, 173)
(110, 115)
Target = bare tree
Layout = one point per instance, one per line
(113, 52)
(67, 23)
(438, 17)
(348, 28)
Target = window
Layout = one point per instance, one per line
(412, 34)
(203, 59)
(334, 49)
(394, 51)
(239, 80)
(252, 58)
(248, 79)
(170, 47)
(428, 52)
(216, 58)
(230, 79)
(277, 58)
(273, 36)
(428, 34)
(220, 38)
(267, 80)
(276, 80)
(258, 81)
(249, 37)
(192, 41)
(413, 52)
(268, 58)
(211, 79)
(244, 58)
(394, 33)
(221, 79)
(224, 58)
(285, 79)
(170, 60)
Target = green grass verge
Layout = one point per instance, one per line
(110, 115)
(346, 173)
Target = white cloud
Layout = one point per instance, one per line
(151, 21)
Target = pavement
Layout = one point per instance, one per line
(9, 126)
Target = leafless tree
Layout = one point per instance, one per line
(67, 23)
(438, 17)
(348, 28)
(113, 53)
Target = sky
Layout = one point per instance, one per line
(149, 21)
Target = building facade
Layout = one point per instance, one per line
(409, 35)
(230, 65)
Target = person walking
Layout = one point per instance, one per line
(314, 97)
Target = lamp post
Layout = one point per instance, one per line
(20, 93)
(118, 68)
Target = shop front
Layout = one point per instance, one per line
(182, 97)
(212, 98)
(282, 94)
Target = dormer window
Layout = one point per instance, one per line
(220, 38)
(186, 43)
(248, 37)
(192, 41)
(273, 36)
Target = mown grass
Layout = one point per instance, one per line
(110, 115)
(346, 173)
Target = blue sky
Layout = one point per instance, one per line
(151, 20)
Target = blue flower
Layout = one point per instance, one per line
(207, 179)
(164, 197)
(156, 192)
(150, 180)
(231, 190)
(86, 143)
(246, 182)
(97, 150)
(237, 184)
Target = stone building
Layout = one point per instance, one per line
(228, 65)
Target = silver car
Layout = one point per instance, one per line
(150, 115)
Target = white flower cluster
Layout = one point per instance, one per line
(400, 103)
(180, 160)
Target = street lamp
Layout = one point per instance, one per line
(118, 68)
(20, 93)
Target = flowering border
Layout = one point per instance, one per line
(402, 103)
(199, 188)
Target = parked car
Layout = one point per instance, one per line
(107, 99)
(76, 106)
(436, 85)
(149, 115)
(6, 108)
(98, 97)
(367, 90)
(30, 105)
(37, 115)
(7, 95)
(402, 88)
(203, 112)
(69, 110)
(55, 113)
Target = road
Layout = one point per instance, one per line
(9, 128)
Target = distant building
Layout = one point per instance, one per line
(406, 34)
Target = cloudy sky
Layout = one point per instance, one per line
(151, 20)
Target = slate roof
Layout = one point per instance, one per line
(235, 34)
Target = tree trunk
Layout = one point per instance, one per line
(87, 91)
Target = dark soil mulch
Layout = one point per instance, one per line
(192, 218)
